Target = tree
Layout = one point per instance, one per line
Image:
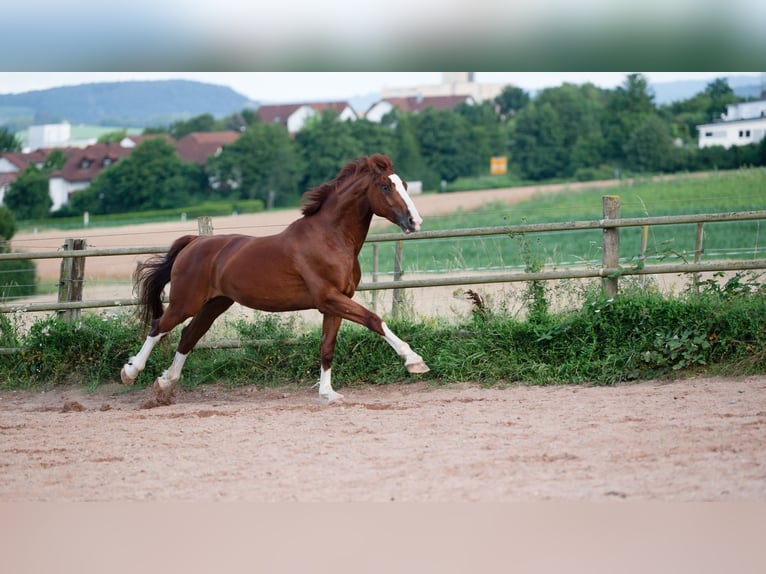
(8, 141)
(326, 145)
(627, 107)
(262, 164)
(510, 101)
(706, 106)
(374, 137)
(7, 228)
(489, 131)
(650, 147)
(446, 144)
(55, 161)
(578, 111)
(152, 177)
(408, 160)
(538, 143)
(200, 123)
(28, 195)
(721, 95)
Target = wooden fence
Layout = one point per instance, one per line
(75, 251)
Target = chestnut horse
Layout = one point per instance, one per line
(312, 264)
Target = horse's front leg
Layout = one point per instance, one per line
(349, 309)
(330, 327)
(413, 362)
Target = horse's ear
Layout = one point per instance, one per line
(381, 162)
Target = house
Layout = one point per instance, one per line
(415, 104)
(83, 165)
(452, 84)
(49, 135)
(742, 124)
(295, 116)
(134, 141)
(197, 147)
(13, 164)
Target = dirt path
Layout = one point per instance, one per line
(694, 440)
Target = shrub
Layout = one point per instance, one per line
(638, 335)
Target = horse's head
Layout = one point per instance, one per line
(388, 195)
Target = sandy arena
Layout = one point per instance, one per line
(692, 440)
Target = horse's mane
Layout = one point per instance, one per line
(314, 198)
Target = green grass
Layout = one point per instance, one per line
(742, 190)
(639, 335)
(207, 208)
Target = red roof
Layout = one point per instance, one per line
(37, 157)
(320, 107)
(197, 147)
(278, 113)
(85, 164)
(23, 160)
(141, 139)
(420, 103)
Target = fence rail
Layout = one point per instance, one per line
(444, 233)
(609, 271)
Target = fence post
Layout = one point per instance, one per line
(698, 254)
(71, 279)
(205, 225)
(398, 294)
(610, 257)
(375, 263)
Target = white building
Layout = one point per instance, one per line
(452, 84)
(742, 124)
(295, 116)
(49, 136)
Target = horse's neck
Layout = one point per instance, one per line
(349, 214)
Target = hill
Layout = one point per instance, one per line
(130, 104)
(668, 92)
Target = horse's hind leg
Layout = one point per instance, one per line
(164, 386)
(160, 327)
(136, 364)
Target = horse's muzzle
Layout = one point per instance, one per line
(410, 223)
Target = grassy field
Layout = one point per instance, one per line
(206, 208)
(721, 192)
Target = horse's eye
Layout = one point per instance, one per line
(386, 188)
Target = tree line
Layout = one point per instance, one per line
(578, 132)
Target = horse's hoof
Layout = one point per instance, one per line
(164, 396)
(419, 367)
(125, 377)
(330, 398)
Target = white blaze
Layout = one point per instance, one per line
(399, 186)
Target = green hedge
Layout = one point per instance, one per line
(637, 335)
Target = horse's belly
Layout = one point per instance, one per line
(273, 291)
(265, 302)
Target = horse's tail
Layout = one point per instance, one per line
(150, 279)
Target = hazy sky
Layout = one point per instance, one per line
(303, 86)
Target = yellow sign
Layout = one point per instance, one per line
(498, 165)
